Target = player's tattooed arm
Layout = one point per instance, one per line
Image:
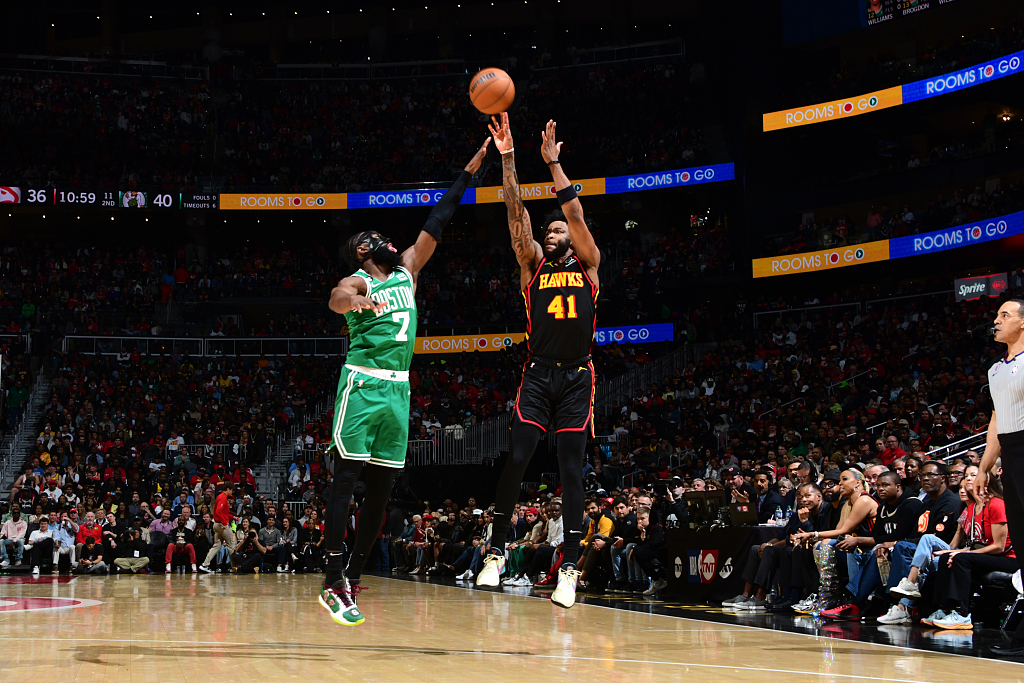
(350, 296)
(528, 252)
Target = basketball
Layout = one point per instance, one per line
(492, 91)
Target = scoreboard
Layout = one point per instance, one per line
(884, 11)
(78, 198)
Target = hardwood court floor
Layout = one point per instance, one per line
(270, 628)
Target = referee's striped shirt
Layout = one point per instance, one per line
(1006, 384)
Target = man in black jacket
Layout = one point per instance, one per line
(776, 557)
(896, 520)
(768, 501)
(134, 552)
(672, 508)
(740, 490)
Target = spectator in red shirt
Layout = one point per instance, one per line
(892, 450)
(222, 533)
(90, 528)
(114, 471)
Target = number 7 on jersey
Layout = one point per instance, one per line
(402, 317)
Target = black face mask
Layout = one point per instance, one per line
(381, 250)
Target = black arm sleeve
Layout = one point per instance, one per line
(445, 208)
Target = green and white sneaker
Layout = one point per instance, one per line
(565, 590)
(490, 575)
(340, 600)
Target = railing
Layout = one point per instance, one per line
(787, 403)
(357, 71)
(253, 347)
(974, 442)
(455, 445)
(624, 53)
(446, 447)
(872, 428)
(296, 506)
(798, 309)
(942, 292)
(626, 386)
(490, 438)
(25, 335)
(848, 380)
(25, 430)
(91, 66)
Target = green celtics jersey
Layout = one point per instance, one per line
(384, 340)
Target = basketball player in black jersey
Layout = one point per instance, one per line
(556, 397)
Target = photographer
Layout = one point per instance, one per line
(134, 549)
(91, 560)
(249, 551)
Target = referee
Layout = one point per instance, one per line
(1006, 437)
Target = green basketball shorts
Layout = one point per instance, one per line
(371, 416)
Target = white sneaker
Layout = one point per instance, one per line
(35, 571)
(954, 621)
(565, 592)
(897, 614)
(751, 604)
(906, 589)
(167, 569)
(509, 581)
(5, 564)
(464, 576)
(195, 569)
(490, 575)
(807, 605)
(280, 568)
(522, 582)
(658, 585)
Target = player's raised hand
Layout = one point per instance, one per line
(361, 303)
(549, 149)
(501, 133)
(474, 164)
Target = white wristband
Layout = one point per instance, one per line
(508, 152)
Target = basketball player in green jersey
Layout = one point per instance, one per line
(371, 411)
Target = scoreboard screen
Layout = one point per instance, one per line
(882, 11)
(83, 198)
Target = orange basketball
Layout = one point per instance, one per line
(492, 91)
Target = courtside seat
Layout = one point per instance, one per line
(995, 596)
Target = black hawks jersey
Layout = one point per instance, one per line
(561, 311)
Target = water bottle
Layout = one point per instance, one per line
(778, 515)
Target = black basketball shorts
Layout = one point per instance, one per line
(558, 399)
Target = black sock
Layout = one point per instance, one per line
(335, 567)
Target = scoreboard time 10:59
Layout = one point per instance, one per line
(98, 198)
